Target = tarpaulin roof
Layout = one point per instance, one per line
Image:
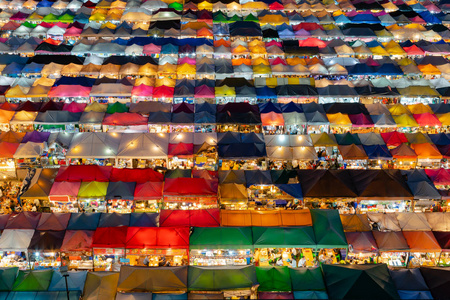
(437, 280)
(307, 279)
(77, 240)
(114, 220)
(221, 238)
(53, 221)
(358, 281)
(83, 221)
(110, 237)
(100, 285)
(23, 220)
(75, 173)
(287, 237)
(361, 242)
(191, 218)
(157, 238)
(189, 187)
(274, 279)
(28, 281)
(390, 241)
(221, 278)
(75, 281)
(328, 229)
(46, 240)
(421, 241)
(144, 279)
(355, 222)
(16, 239)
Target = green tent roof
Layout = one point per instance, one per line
(176, 6)
(7, 278)
(251, 17)
(66, 18)
(116, 107)
(328, 228)
(29, 281)
(283, 237)
(220, 17)
(359, 282)
(221, 278)
(29, 25)
(307, 279)
(221, 238)
(50, 18)
(273, 279)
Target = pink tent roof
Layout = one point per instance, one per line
(77, 240)
(74, 107)
(439, 177)
(187, 60)
(151, 49)
(204, 91)
(181, 149)
(277, 61)
(125, 119)
(73, 31)
(273, 42)
(69, 91)
(142, 90)
(148, 191)
(62, 190)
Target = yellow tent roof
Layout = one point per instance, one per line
(96, 107)
(71, 69)
(97, 17)
(260, 61)
(256, 5)
(339, 119)
(186, 69)
(444, 119)
(17, 92)
(406, 61)
(405, 121)
(205, 5)
(399, 109)
(262, 69)
(273, 19)
(147, 70)
(240, 50)
(378, 50)
(145, 80)
(419, 108)
(167, 69)
(44, 81)
(170, 82)
(415, 26)
(225, 91)
(110, 69)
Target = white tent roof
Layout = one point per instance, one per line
(143, 145)
(29, 149)
(16, 239)
(94, 145)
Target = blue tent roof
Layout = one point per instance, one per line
(206, 107)
(389, 69)
(405, 295)
(114, 219)
(144, 219)
(258, 177)
(291, 107)
(13, 69)
(204, 117)
(83, 221)
(120, 190)
(170, 296)
(75, 281)
(365, 18)
(361, 69)
(169, 49)
(242, 150)
(269, 107)
(342, 19)
(266, 92)
(429, 18)
(377, 152)
(440, 139)
(44, 3)
(294, 190)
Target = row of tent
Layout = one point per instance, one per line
(328, 281)
(393, 222)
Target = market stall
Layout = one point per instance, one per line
(192, 193)
(157, 246)
(108, 245)
(148, 196)
(287, 246)
(221, 246)
(7, 165)
(393, 248)
(424, 248)
(44, 249)
(63, 196)
(14, 244)
(362, 247)
(91, 196)
(76, 250)
(120, 196)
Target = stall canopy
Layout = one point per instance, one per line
(410, 284)
(93, 189)
(16, 239)
(157, 237)
(221, 278)
(410, 221)
(120, 190)
(355, 222)
(143, 279)
(46, 241)
(144, 219)
(53, 221)
(84, 173)
(77, 240)
(390, 241)
(75, 281)
(358, 281)
(7, 278)
(114, 220)
(283, 237)
(83, 221)
(190, 187)
(273, 279)
(23, 220)
(28, 281)
(362, 242)
(328, 229)
(100, 285)
(307, 279)
(110, 237)
(221, 238)
(191, 218)
(421, 241)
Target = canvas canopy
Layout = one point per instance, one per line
(16, 239)
(221, 278)
(221, 238)
(162, 279)
(328, 229)
(100, 285)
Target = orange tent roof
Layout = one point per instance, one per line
(6, 116)
(12, 136)
(272, 119)
(421, 241)
(426, 150)
(241, 61)
(7, 150)
(429, 69)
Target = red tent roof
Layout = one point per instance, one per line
(136, 175)
(110, 237)
(312, 42)
(157, 238)
(180, 150)
(413, 50)
(163, 92)
(197, 218)
(148, 191)
(190, 187)
(427, 119)
(307, 26)
(394, 138)
(125, 119)
(7, 150)
(77, 240)
(84, 173)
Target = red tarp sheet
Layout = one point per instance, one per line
(439, 177)
(110, 237)
(148, 191)
(196, 218)
(157, 238)
(136, 175)
(394, 138)
(125, 119)
(190, 187)
(84, 173)
(77, 240)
